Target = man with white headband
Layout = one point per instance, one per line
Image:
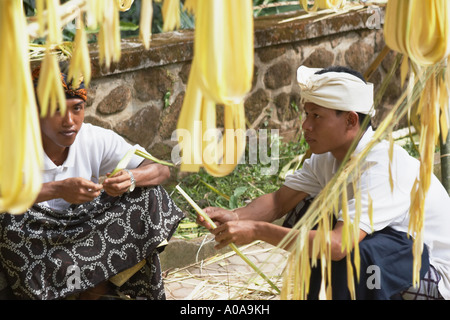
(337, 101)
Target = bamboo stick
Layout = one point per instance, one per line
(232, 245)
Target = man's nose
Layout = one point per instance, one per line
(306, 125)
(68, 119)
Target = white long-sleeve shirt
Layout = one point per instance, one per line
(95, 152)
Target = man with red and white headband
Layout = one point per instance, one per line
(336, 102)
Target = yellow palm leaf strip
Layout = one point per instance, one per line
(223, 69)
(54, 34)
(80, 67)
(415, 213)
(211, 154)
(370, 211)
(190, 6)
(288, 279)
(20, 138)
(445, 106)
(404, 70)
(40, 7)
(304, 4)
(331, 4)
(322, 4)
(321, 249)
(431, 41)
(50, 92)
(235, 135)
(223, 49)
(189, 127)
(94, 13)
(145, 23)
(241, 50)
(305, 267)
(109, 35)
(125, 5)
(394, 27)
(356, 228)
(346, 236)
(299, 267)
(350, 277)
(171, 15)
(391, 155)
(419, 29)
(49, 89)
(209, 48)
(223, 158)
(428, 139)
(347, 240)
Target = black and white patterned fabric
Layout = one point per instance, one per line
(48, 254)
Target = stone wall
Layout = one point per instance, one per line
(141, 96)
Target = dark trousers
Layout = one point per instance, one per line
(386, 268)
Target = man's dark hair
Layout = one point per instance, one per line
(361, 116)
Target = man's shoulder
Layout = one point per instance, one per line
(322, 158)
(93, 132)
(89, 127)
(92, 136)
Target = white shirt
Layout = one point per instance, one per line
(389, 208)
(95, 152)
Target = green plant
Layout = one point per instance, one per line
(235, 190)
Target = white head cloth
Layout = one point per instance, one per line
(335, 90)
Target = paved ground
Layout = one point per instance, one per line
(228, 276)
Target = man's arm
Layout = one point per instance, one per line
(272, 206)
(251, 223)
(254, 221)
(336, 241)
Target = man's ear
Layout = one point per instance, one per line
(352, 119)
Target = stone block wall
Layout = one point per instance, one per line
(141, 96)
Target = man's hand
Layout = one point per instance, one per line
(217, 215)
(118, 184)
(229, 229)
(79, 190)
(237, 232)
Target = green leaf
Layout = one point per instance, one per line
(128, 26)
(239, 191)
(233, 202)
